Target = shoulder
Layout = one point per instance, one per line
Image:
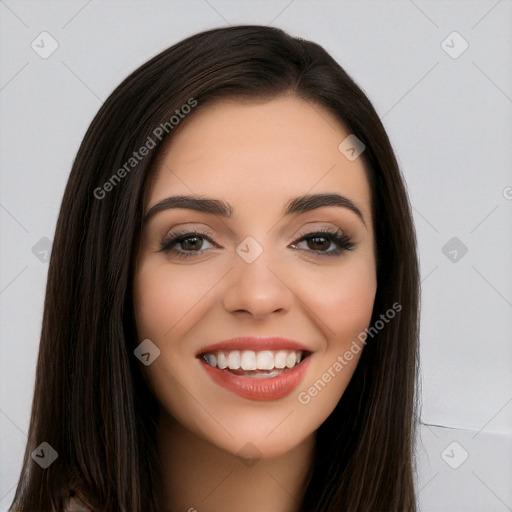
(75, 505)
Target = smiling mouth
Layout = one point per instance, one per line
(262, 364)
(256, 368)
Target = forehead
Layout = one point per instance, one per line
(265, 150)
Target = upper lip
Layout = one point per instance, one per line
(255, 344)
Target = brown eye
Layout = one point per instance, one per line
(185, 244)
(320, 241)
(191, 243)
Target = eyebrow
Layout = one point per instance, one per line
(299, 204)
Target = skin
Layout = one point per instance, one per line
(257, 156)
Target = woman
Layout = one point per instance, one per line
(231, 316)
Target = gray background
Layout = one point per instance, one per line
(448, 114)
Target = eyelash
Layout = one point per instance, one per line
(342, 241)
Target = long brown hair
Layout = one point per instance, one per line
(91, 403)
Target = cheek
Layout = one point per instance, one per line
(352, 308)
(163, 298)
(155, 305)
(346, 306)
(343, 300)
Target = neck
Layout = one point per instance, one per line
(197, 476)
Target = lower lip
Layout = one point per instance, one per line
(256, 388)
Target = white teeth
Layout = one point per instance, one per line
(280, 359)
(234, 360)
(265, 360)
(291, 359)
(222, 362)
(250, 360)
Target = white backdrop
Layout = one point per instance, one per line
(440, 76)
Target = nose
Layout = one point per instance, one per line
(257, 289)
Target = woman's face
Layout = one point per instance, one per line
(278, 263)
